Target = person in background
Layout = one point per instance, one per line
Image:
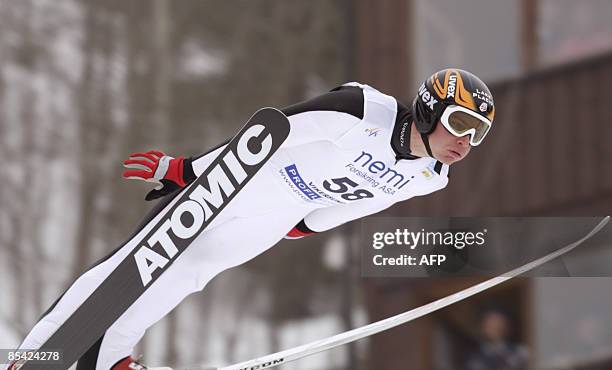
(496, 351)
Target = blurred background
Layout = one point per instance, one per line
(85, 83)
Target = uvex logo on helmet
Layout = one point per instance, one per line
(452, 83)
(426, 97)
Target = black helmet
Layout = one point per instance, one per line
(460, 90)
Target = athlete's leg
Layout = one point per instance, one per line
(84, 285)
(232, 243)
(192, 278)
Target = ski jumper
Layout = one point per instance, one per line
(341, 161)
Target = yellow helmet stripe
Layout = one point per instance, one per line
(439, 89)
(463, 97)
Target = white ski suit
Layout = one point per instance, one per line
(338, 164)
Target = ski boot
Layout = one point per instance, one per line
(129, 363)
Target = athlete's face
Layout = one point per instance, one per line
(446, 147)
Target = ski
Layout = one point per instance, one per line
(292, 354)
(167, 235)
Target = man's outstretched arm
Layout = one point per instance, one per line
(324, 117)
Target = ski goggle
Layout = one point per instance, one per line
(461, 121)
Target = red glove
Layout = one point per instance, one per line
(296, 234)
(154, 166)
(299, 231)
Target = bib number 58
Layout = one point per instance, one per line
(342, 185)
